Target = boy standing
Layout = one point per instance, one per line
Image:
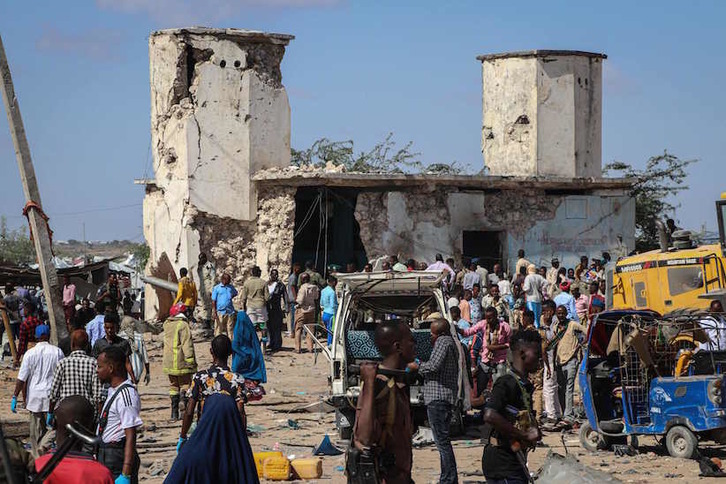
(119, 418)
(511, 428)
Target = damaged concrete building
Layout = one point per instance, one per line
(223, 183)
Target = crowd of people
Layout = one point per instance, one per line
(93, 382)
(521, 337)
(503, 324)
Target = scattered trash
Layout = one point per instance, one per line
(673, 476)
(568, 470)
(621, 450)
(339, 468)
(157, 468)
(276, 447)
(293, 444)
(326, 447)
(300, 393)
(710, 467)
(253, 429)
(424, 436)
(293, 424)
(630, 471)
(151, 427)
(315, 407)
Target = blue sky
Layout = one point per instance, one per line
(357, 70)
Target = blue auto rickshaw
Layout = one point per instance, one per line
(643, 374)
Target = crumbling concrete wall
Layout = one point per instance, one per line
(219, 113)
(542, 113)
(421, 224)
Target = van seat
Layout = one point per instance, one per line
(360, 345)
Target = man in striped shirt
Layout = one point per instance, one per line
(76, 375)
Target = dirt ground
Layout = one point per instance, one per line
(295, 381)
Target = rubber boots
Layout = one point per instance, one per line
(175, 407)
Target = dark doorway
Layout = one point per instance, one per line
(486, 245)
(326, 231)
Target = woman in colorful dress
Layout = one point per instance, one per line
(220, 434)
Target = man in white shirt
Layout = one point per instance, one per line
(534, 286)
(119, 418)
(471, 277)
(715, 327)
(483, 277)
(35, 379)
(439, 266)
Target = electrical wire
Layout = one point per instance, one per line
(308, 216)
(320, 229)
(327, 219)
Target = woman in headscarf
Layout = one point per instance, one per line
(218, 449)
(247, 358)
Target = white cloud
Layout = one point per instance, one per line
(95, 44)
(616, 81)
(194, 12)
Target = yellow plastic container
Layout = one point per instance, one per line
(310, 468)
(276, 468)
(260, 460)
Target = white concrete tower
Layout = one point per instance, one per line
(542, 113)
(219, 113)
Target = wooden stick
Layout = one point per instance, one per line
(38, 225)
(8, 331)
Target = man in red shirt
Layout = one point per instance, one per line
(76, 466)
(27, 330)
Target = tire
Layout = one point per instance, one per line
(681, 442)
(590, 439)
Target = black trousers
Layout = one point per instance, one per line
(275, 323)
(112, 456)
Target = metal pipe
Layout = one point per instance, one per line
(160, 283)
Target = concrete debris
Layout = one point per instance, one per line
(568, 470)
(157, 468)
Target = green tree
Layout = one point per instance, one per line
(15, 245)
(663, 177)
(384, 157)
(141, 252)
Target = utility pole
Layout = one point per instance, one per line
(38, 224)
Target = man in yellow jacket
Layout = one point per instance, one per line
(180, 363)
(187, 292)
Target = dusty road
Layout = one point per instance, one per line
(297, 380)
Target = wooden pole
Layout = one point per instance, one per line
(38, 226)
(8, 331)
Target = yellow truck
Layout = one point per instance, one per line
(677, 276)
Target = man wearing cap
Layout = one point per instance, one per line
(568, 301)
(35, 379)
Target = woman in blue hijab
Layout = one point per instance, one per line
(218, 450)
(247, 359)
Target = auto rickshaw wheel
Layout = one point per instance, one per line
(681, 442)
(591, 439)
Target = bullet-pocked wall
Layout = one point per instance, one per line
(419, 225)
(219, 114)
